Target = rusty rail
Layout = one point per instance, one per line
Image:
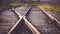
(53, 19)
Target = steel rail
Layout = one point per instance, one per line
(33, 29)
(21, 17)
(53, 19)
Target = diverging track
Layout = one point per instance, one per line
(31, 20)
(37, 21)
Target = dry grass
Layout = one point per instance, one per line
(55, 8)
(14, 3)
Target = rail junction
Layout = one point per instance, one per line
(28, 20)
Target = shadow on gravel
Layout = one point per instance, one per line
(22, 29)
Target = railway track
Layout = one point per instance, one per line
(32, 20)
